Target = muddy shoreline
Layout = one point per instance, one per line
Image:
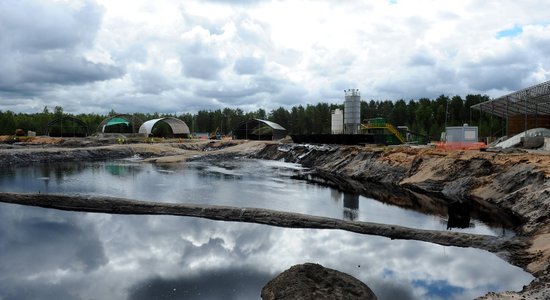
(515, 185)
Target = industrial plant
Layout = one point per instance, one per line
(348, 129)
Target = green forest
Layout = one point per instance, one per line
(424, 116)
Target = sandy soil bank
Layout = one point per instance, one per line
(38, 150)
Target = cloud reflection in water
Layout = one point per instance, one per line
(48, 254)
(96, 256)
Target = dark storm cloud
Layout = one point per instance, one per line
(231, 283)
(41, 45)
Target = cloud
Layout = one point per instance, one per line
(69, 243)
(152, 82)
(57, 68)
(234, 283)
(59, 253)
(392, 289)
(199, 55)
(238, 2)
(421, 59)
(42, 44)
(140, 57)
(248, 65)
(498, 69)
(482, 78)
(249, 91)
(35, 26)
(201, 67)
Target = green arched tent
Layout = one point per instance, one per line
(120, 124)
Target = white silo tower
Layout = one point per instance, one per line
(337, 125)
(352, 111)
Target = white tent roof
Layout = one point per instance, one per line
(177, 125)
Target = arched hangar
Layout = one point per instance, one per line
(165, 127)
(257, 129)
(67, 126)
(120, 124)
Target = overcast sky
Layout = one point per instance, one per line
(173, 56)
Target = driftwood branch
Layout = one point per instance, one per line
(111, 205)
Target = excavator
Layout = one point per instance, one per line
(216, 134)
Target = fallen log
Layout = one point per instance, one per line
(112, 205)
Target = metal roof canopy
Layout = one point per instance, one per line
(78, 124)
(177, 126)
(534, 100)
(252, 129)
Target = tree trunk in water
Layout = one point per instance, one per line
(111, 205)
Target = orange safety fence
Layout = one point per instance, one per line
(450, 146)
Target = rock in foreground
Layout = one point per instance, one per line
(313, 281)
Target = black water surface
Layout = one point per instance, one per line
(49, 254)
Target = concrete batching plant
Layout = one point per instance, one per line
(346, 127)
(352, 111)
(337, 125)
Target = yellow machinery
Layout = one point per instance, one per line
(379, 124)
(216, 134)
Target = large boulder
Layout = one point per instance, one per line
(313, 281)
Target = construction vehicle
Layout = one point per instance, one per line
(216, 134)
(19, 132)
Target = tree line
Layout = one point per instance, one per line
(424, 116)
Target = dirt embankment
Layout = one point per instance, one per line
(517, 183)
(39, 150)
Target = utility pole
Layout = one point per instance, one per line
(446, 116)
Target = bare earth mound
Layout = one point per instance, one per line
(315, 282)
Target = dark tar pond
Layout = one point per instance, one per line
(50, 254)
